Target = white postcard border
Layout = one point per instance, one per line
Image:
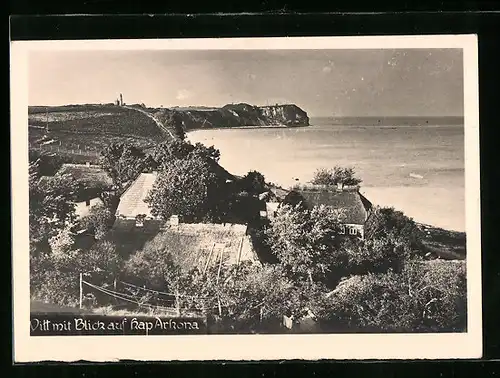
(243, 347)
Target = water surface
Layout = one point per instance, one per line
(417, 169)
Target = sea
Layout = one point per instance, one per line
(417, 169)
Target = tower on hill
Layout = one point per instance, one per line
(119, 101)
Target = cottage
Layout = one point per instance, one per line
(133, 212)
(205, 245)
(95, 184)
(356, 208)
(92, 176)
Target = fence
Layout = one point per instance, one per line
(144, 298)
(64, 150)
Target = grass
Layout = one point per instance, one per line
(95, 119)
(80, 132)
(88, 141)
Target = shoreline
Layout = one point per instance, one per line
(251, 127)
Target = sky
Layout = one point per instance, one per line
(381, 82)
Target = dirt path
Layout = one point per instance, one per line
(155, 120)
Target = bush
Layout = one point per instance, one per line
(424, 297)
(373, 256)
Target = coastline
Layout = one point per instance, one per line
(250, 127)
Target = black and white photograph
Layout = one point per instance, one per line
(255, 191)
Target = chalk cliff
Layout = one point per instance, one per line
(232, 115)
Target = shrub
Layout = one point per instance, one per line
(373, 256)
(424, 297)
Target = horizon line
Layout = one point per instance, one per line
(279, 104)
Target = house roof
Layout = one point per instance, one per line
(92, 176)
(356, 206)
(202, 245)
(132, 200)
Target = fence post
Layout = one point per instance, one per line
(81, 291)
(177, 304)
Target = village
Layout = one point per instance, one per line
(170, 230)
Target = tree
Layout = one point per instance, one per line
(187, 187)
(386, 222)
(335, 176)
(122, 161)
(99, 220)
(51, 205)
(103, 259)
(170, 151)
(253, 182)
(373, 256)
(206, 152)
(239, 298)
(306, 242)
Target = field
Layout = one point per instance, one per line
(84, 130)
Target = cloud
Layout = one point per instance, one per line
(327, 69)
(252, 76)
(183, 94)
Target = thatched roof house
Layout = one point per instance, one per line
(92, 176)
(355, 207)
(203, 246)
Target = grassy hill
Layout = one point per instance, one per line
(84, 130)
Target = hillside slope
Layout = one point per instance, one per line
(80, 132)
(95, 119)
